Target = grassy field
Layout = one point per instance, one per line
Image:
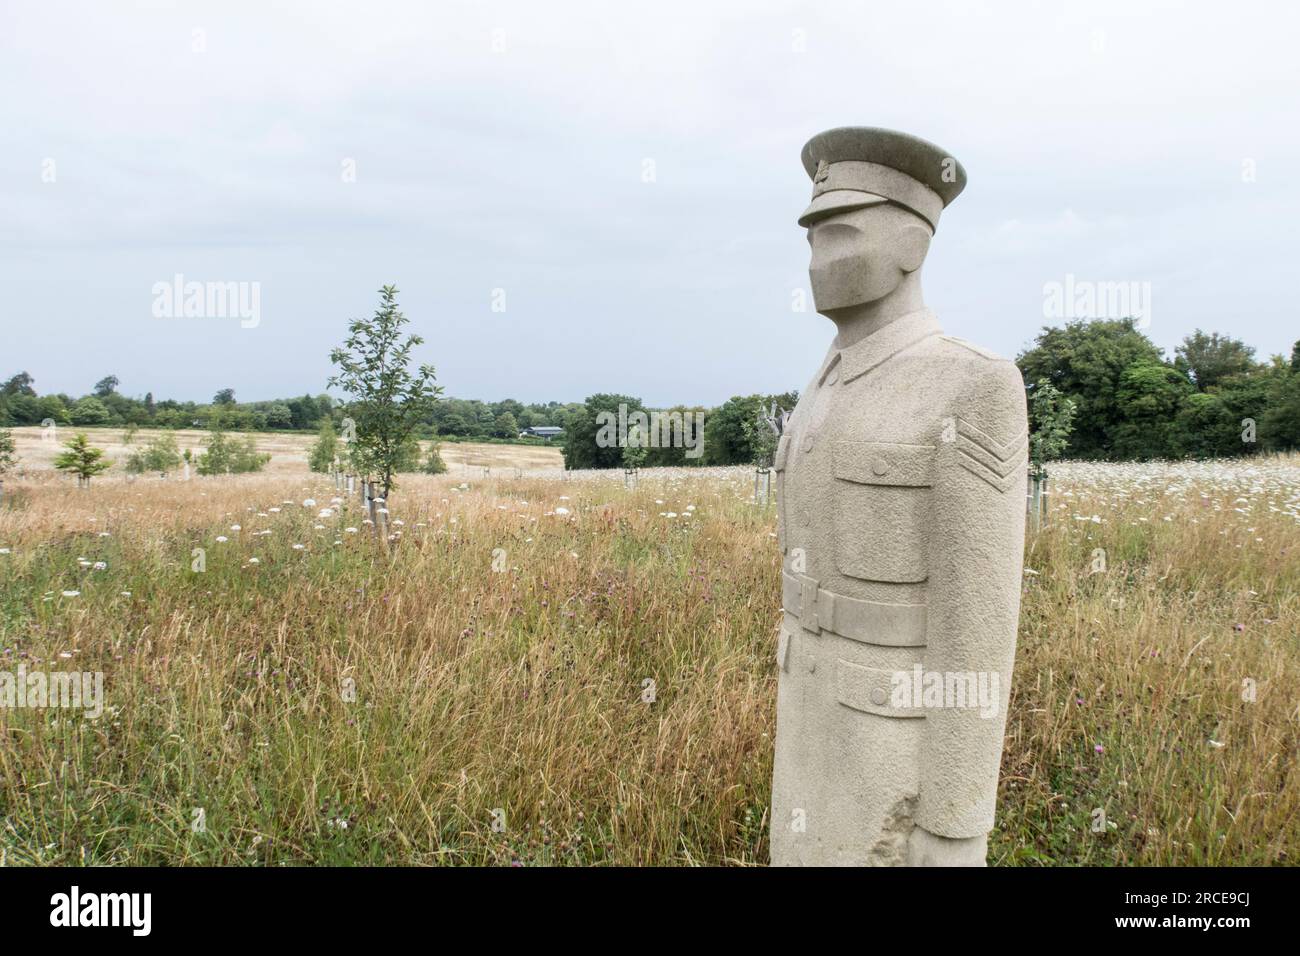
(288, 450)
(476, 692)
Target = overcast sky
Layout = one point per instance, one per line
(501, 146)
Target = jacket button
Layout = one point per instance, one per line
(879, 467)
(878, 696)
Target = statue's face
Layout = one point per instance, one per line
(862, 255)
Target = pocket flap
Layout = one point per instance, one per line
(782, 449)
(884, 463)
(872, 690)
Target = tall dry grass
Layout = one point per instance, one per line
(606, 696)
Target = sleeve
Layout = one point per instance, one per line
(977, 562)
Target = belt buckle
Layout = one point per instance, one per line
(808, 587)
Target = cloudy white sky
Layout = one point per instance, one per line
(503, 146)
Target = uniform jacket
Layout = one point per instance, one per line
(900, 483)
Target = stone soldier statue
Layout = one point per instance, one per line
(900, 483)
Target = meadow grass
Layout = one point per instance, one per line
(571, 672)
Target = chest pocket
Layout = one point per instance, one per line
(778, 465)
(882, 507)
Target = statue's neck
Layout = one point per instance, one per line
(857, 322)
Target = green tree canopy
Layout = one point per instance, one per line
(388, 399)
(90, 411)
(1085, 361)
(1209, 359)
(82, 459)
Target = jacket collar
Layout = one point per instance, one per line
(906, 330)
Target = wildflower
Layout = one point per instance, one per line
(234, 527)
(254, 561)
(71, 593)
(124, 593)
(561, 511)
(100, 566)
(350, 530)
(1099, 748)
(222, 539)
(298, 547)
(309, 503)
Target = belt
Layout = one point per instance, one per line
(871, 622)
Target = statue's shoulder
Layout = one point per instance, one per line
(965, 349)
(979, 378)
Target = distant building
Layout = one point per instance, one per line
(542, 431)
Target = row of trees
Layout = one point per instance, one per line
(732, 434)
(105, 406)
(1096, 389)
(1212, 399)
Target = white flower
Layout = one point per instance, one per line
(298, 547)
(71, 593)
(124, 593)
(561, 511)
(100, 565)
(309, 503)
(325, 513)
(234, 527)
(105, 534)
(221, 538)
(5, 551)
(350, 530)
(254, 561)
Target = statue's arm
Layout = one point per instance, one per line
(976, 564)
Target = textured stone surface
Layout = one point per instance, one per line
(900, 482)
